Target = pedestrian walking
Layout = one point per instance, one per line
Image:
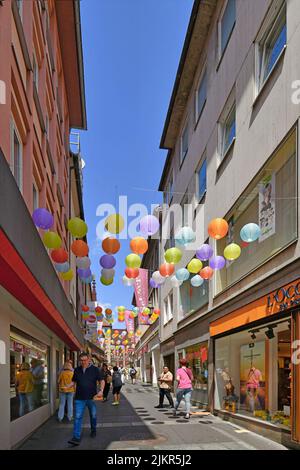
(24, 385)
(108, 379)
(132, 373)
(184, 377)
(66, 394)
(165, 382)
(86, 378)
(117, 385)
(123, 376)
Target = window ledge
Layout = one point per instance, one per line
(271, 73)
(228, 151)
(169, 321)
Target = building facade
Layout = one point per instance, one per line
(40, 324)
(232, 137)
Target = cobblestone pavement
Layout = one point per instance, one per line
(137, 425)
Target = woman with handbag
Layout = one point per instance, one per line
(184, 377)
(108, 379)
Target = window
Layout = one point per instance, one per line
(35, 197)
(168, 308)
(47, 125)
(228, 132)
(170, 189)
(226, 25)
(184, 143)
(20, 8)
(29, 359)
(201, 96)
(185, 209)
(192, 298)
(201, 177)
(271, 202)
(16, 158)
(271, 45)
(35, 73)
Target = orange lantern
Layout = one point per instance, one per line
(167, 269)
(59, 256)
(110, 245)
(131, 315)
(132, 273)
(98, 310)
(156, 311)
(80, 248)
(206, 273)
(139, 245)
(217, 228)
(100, 332)
(85, 308)
(108, 311)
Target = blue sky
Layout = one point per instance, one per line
(131, 54)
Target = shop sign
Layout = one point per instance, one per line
(18, 347)
(285, 297)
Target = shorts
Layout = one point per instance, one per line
(116, 389)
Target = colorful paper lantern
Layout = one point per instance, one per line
(206, 273)
(108, 311)
(138, 332)
(68, 276)
(232, 251)
(52, 240)
(85, 308)
(218, 228)
(59, 255)
(146, 311)
(84, 273)
(83, 263)
(98, 310)
(149, 225)
(158, 278)
(121, 308)
(62, 267)
(173, 255)
(77, 227)
(106, 282)
(132, 273)
(194, 266)
(42, 219)
(107, 261)
(87, 280)
(128, 282)
(217, 262)
(250, 232)
(167, 269)
(135, 311)
(153, 284)
(185, 235)
(139, 245)
(80, 248)
(114, 223)
(156, 312)
(204, 252)
(110, 245)
(182, 274)
(108, 273)
(197, 281)
(133, 261)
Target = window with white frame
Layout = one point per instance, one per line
(201, 96)
(227, 130)
(170, 188)
(35, 197)
(185, 209)
(201, 180)
(168, 308)
(35, 72)
(16, 157)
(226, 25)
(184, 143)
(271, 43)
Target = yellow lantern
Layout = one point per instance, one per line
(77, 227)
(52, 240)
(114, 223)
(68, 276)
(194, 266)
(232, 251)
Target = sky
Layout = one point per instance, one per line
(131, 54)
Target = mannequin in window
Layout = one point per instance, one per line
(253, 383)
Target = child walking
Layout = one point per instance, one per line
(117, 385)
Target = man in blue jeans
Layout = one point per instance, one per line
(86, 378)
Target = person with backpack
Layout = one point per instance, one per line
(117, 385)
(65, 395)
(184, 377)
(132, 374)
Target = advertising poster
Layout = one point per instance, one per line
(266, 205)
(252, 377)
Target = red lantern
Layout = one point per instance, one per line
(85, 308)
(100, 332)
(156, 311)
(139, 245)
(167, 269)
(132, 273)
(217, 228)
(98, 310)
(80, 248)
(206, 273)
(59, 256)
(110, 245)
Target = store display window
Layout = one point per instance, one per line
(197, 357)
(29, 360)
(253, 372)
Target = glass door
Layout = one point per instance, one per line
(295, 378)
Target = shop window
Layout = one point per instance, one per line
(253, 373)
(271, 202)
(29, 360)
(197, 357)
(192, 298)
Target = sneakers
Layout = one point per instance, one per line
(93, 433)
(115, 403)
(174, 412)
(74, 441)
(158, 406)
(187, 416)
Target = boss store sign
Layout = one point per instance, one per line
(285, 297)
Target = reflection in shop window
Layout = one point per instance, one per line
(197, 357)
(253, 376)
(192, 298)
(28, 374)
(271, 202)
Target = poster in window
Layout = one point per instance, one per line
(266, 203)
(252, 377)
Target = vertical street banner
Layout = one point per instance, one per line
(141, 292)
(266, 207)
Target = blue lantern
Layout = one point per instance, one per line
(185, 235)
(62, 267)
(250, 232)
(197, 281)
(182, 274)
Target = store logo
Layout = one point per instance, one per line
(285, 297)
(296, 353)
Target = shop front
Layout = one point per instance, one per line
(197, 357)
(256, 362)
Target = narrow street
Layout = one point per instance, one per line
(137, 425)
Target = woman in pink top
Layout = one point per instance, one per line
(184, 377)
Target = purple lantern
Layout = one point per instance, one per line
(84, 273)
(149, 225)
(217, 262)
(107, 261)
(43, 219)
(153, 284)
(204, 252)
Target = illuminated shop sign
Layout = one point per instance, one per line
(285, 297)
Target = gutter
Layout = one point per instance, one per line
(80, 62)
